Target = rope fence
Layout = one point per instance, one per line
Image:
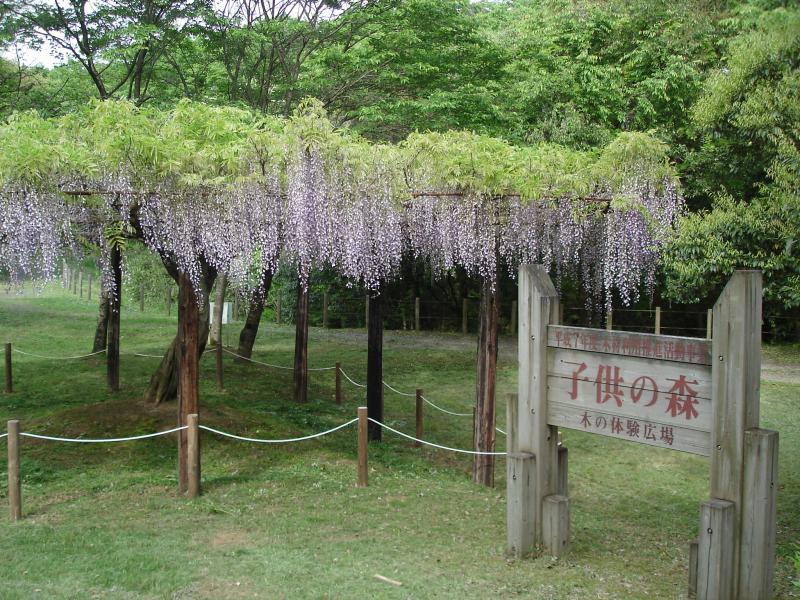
(190, 452)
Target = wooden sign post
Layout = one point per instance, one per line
(688, 394)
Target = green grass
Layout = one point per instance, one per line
(105, 521)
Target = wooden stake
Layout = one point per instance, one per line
(363, 477)
(80, 284)
(9, 379)
(338, 383)
(715, 550)
(325, 310)
(418, 415)
(416, 315)
(709, 323)
(464, 321)
(193, 452)
(757, 562)
(610, 320)
(658, 320)
(14, 492)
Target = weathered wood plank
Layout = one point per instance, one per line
(673, 437)
(555, 524)
(520, 491)
(736, 345)
(562, 486)
(627, 343)
(757, 559)
(538, 302)
(715, 577)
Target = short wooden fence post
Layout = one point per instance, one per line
(193, 456)
(363, 475)
(338, 383)
(418, 415)
(610, 320)
(709, 323)
(80, 284)
(9, 379)
(715, 550)
(658, 321)
(14, 493)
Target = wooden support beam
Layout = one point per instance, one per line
(555, 525)
(658, 321)
(715, 567)
(757, 560)
(538, 301)
(520, 494)
(735, 381)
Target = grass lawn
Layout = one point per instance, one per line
(285, 521)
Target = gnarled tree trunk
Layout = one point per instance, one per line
(188, 371)
(164, 382)
(484, 429)
(247, 337)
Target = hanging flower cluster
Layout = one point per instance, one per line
(34, 229)
(220, 188)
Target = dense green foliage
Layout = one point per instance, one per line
(715, 82)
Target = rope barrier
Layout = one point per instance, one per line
(258, 362)
(101, 441)
(283, 441)
(501, 431)
(56, 357)
(346, 376)
(444, 410)
(411, 437)
(399, 392)
(3, 435)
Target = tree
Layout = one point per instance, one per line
(117, 42)
(751, 122)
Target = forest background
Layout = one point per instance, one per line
(717, 81)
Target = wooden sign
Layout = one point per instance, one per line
(650, 389)
(695, 395)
